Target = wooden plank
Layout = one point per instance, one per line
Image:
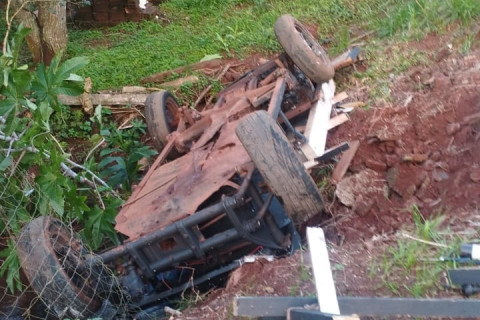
(337, 120)
(318, 119)
(347, 58)
(326, 293)
(107, 99)
(306, 314)
(339, 97)
(344, 163)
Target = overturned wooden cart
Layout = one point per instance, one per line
(229, 181)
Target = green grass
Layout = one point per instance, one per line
(122, 55)
(412, 265)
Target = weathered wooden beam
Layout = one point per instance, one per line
(344, 163)
(107, 99)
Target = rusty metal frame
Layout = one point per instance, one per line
(134, 253)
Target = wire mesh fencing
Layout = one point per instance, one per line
(46, 270)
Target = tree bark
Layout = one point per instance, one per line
(52, 20)
(47, 20)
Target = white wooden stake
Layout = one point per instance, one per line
(326, 293)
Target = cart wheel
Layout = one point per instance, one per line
(162, 115)
(307, 54)
(279, 165)
(52, 258)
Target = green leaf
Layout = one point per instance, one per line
(70, 66)
(139, 153)
(50, 185)
(70, 89)
(74, 77)
(11, 266)
(43, 113)
(100, 222)
(5, 163)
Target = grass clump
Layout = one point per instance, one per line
(415, 18)
(413, 265)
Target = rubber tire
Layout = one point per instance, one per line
(46, 274)
(162, 116)
(307, 54)
(279, 165)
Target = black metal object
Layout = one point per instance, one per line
(463, 276)
(363, 306)
(299, 137)
(330, 153)
(246, 220)
(150, 299)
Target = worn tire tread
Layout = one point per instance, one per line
(317, 68)
(280, 166)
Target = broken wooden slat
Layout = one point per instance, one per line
(277, 98)
(177, 83)
(347, 58)
(161, 76)
(318, 119)
(344, 163)
(209, 87)
(134, 89)
(356, 104)
(324, 284)
(328, 154)
(246, 78)
(107, 99)
(337, 120)
(339, 97)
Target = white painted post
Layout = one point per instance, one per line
(326, 293)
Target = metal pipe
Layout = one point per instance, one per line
(211, 243)
(157, 297)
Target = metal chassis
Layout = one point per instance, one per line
(191, 246)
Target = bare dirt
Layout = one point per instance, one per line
(421, 147)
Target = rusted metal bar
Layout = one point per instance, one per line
(186, 137)
(246, 78)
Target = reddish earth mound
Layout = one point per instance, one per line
(423, 149)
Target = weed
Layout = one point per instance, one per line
(415, 18)
(71, 123)
(412, 265)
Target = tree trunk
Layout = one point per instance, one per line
(52, 20)
(47, 20)
(34, 42)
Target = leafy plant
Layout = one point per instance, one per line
(37, 176)
(119, 160)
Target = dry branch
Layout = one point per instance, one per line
(160, 77)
